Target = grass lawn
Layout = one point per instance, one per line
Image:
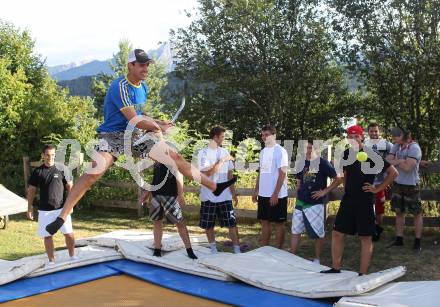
(19, 239)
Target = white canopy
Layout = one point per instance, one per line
(11, 203)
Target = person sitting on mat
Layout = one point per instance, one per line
(168, 201)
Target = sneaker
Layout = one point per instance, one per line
(417, 247)
(396, 243)
(316, 261)
(331, 271)
(245, 247)
(51, 263)
(74, 258)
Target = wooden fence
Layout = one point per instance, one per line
(426, 195)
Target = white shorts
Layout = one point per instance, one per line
(47, 217)
(310, 220)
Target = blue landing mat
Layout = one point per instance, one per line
(234, 293)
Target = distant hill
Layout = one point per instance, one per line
(53, 70)
(78, 87)
(72, 71)
(89, 69)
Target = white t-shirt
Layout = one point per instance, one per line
(207, 157)
(271, 159)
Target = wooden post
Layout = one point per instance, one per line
(26, 173)
(329, 159)
(79, 168)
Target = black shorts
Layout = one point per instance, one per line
(223, 211)
(355, 217)
(276, 214)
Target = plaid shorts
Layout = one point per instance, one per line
(165, 205)
(223, 211)
(310, 220)
(406, 198)
(113, 143)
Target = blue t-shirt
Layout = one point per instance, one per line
(311, 182)
(122, 94)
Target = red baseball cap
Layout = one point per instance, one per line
(355, 130)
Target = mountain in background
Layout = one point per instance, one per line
(89, 69)
(53, 70)
(92, 68)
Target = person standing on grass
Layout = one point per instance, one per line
(405, 155)
(52, 183)
(309, 214)
(271, 187)
(356, 211)
(383, 147)
(123, 112)
(216, 163)
(168, 201)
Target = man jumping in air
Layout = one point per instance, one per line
(123, 107)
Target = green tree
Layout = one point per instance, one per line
(33, 109)
(254, 62)
(394, 46)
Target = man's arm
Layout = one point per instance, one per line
(69, 186)
(256, 189)
(232, 187)
(211, 170)
(298, 186)
(30, 199)
(147, 123)
(407, 164)
(403, 164)
(334, 184)
(180, 189)
(391, 174)
(282, 173)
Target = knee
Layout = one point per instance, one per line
(337, 235)
(181, 224)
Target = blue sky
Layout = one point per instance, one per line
(72, 31)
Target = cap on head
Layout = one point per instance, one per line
(355, 129)
(140, 56)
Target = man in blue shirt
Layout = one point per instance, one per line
(309, 211)
(125, 126)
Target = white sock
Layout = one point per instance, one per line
(316, 260)
(237, 249)
(213, 246)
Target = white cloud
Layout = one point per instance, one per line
(67, 31)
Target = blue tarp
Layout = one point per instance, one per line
(234, 293)
(41, 284)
